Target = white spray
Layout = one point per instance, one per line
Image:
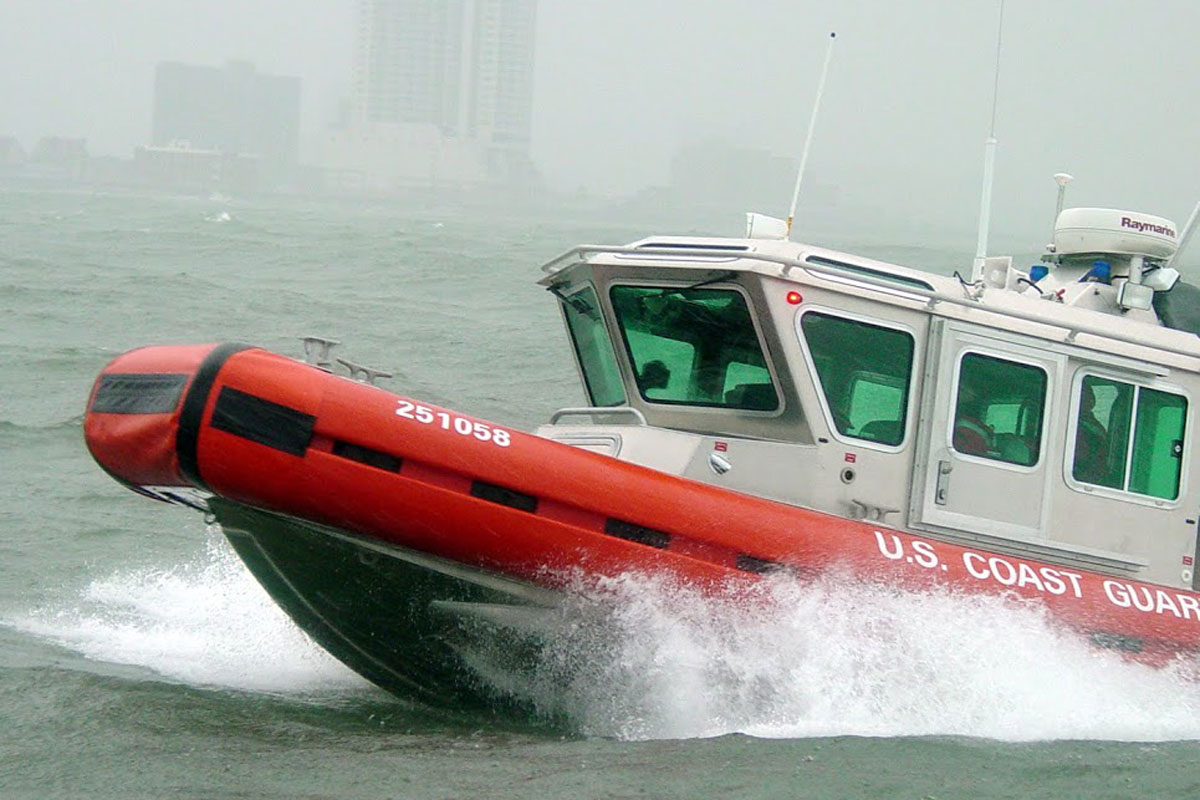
(206, 622)
(829, 658)
(836, 658)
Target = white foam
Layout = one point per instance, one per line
(833, 658)
(206, 622)
(829, 658)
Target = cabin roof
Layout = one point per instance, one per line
(1016, 312)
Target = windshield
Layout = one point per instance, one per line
(694, 346)
(593, 348)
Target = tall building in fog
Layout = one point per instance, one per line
(232, 110)
(443, 93)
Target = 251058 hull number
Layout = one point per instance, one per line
(452, 422)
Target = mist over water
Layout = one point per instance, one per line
(660, 661)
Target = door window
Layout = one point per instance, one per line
(1129, 437)
(998, 409)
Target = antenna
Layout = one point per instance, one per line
(1062, 179)
(1185, 239)
(812, 124)
(989, 162)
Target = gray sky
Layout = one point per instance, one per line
(1103, 89)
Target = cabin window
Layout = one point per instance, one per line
(694, 346)
(1129, 437)
(593, 347)
(864, 371)
(998, 409)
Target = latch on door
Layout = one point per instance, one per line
(943, 482)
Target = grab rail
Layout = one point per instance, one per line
(598, 411)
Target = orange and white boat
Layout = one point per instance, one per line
(754, 404)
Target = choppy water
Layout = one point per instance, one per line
(138, 659)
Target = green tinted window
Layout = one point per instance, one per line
(694, 347)
(594, 348)
(998, 410)
(1157, 444)
(1129, 437)
(1102, 432)
(864, 371)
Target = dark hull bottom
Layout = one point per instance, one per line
(422, 628)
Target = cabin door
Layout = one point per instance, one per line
(988, 433)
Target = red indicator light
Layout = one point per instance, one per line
(794, 298)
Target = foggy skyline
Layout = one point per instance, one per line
(1102, 90)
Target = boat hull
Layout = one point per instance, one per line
(416, 626)
(403, 536)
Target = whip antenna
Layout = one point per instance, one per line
(812, 124)
(1185, 238)
(989, 162)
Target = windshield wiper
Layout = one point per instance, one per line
(575, 301)
(720, 276)
(723, 276)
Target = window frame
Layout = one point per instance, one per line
(952, 410)
(810, 364)
(708, 408)
(1137, 382)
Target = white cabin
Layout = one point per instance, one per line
(1047, 414)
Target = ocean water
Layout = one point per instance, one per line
(138, 659)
